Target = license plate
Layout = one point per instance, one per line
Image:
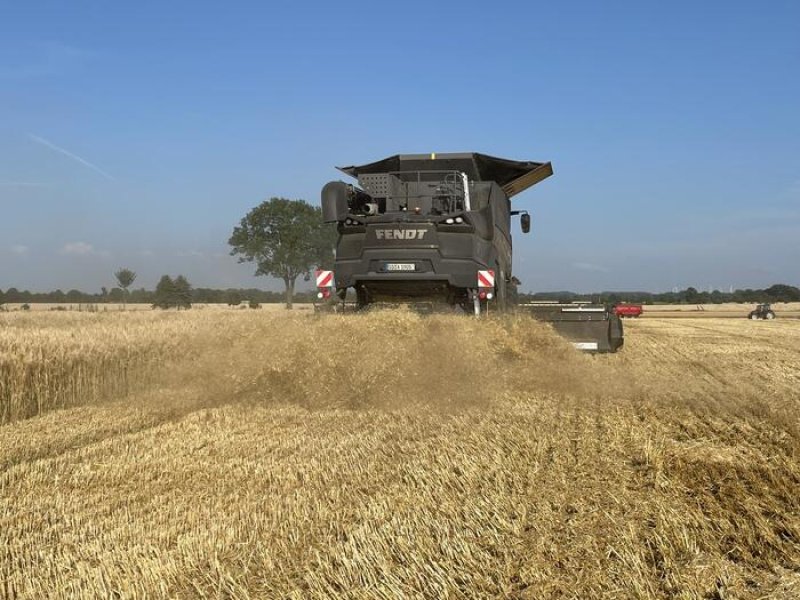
(400, 267)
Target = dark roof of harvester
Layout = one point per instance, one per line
(514, 176)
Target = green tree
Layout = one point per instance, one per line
(286, 239)
(173, 293)
(125, 277)
(165, 293)
(181, 292)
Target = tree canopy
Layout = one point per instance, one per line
(125, 277)
(286, 239)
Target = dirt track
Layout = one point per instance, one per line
(433, 458)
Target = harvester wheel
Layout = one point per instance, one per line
(754, 316)
(769, 315)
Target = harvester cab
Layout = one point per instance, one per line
(429, 229)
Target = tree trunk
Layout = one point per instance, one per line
(289, 281)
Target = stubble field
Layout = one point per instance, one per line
(228, 454)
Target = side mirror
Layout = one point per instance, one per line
(525, 222)
(334, 202)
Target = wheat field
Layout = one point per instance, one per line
(228, 454)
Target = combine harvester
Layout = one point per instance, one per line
(435, 231)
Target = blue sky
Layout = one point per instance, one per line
(138, 135)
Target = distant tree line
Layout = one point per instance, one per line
(775, 293)
(167, 295)
(179, 293)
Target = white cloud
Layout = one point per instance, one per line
(20, 250)
(190, 253)
(78, 249)
(83, 249)
(584, 266)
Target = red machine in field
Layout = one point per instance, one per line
(628, 310)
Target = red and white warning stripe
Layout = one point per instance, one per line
(324, 278)
(486, 279)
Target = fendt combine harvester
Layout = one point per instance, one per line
(436, 230)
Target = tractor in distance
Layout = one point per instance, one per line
(762, 311)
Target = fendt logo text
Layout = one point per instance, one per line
(400, 234)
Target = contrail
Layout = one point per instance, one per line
(84, 162)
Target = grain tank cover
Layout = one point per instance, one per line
(514, 176)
